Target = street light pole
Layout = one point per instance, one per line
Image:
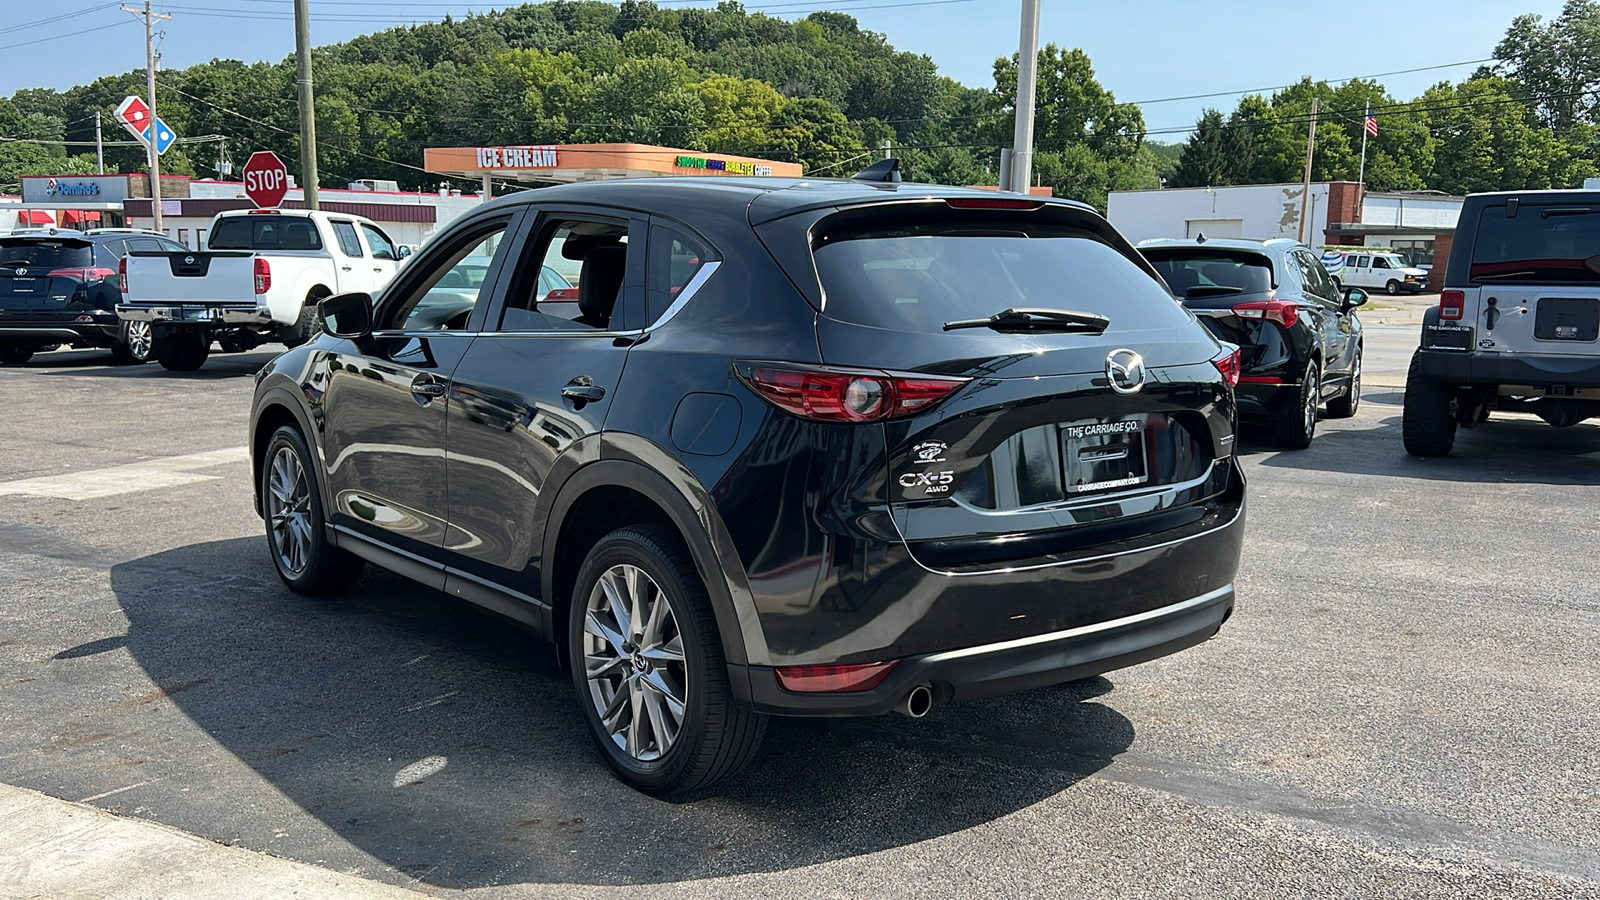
(1027, 81)
(308, 109)
(150, 98)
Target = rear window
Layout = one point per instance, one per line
(918, 278)
(1551, 244)
(18, 253)
(1192, 274)
(265, 233)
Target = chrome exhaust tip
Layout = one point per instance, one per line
(917, 703)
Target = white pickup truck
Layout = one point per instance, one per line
(258, 281)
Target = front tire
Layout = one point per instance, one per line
(1345, 407)
(1428, 422)
(15, 356)
(306, 328)
(1393, 287)
(1297, 424)
(181, 351)
(648, 668)
(297, 534)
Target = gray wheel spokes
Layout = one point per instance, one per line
(289, 511)
(634, 662)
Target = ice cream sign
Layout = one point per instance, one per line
(722, 165)
(543, 157)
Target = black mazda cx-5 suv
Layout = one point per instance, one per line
(814, 448)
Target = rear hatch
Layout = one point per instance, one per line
(41, 276)
(1211, 282)
(1067, 436)
(1536, 279)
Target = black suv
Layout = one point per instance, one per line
(816, 448)
(60, 287)
(1517, 328)
(1298, 334)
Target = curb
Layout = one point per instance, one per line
(55, 849)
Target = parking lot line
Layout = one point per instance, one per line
(145, 475)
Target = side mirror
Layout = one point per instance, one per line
(347, 316)
(1354, 297)
(405, 250)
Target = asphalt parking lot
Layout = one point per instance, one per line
(1403, 705)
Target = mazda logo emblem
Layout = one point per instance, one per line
(1125, 371)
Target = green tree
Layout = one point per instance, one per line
(1204, 161)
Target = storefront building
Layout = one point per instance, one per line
(566, 163)
(82, 201)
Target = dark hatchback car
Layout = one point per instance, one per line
(60, 287)
(800, 448)
(1296, 328)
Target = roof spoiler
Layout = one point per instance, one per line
(885, 171)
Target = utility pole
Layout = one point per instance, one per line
(150, 98)
(308, 109)
(888, 148)
(1027, 82)
(99, 147)
(1305, 195)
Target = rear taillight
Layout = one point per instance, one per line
(122, 274)
(834, 678)
(263, 276)
(831, 394)
(87, 276)
(1229, 365)
(1452, 304)
(1280, 311)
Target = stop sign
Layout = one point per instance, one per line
(265, 179)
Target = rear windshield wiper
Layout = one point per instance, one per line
(1037, 320)
(1212, 290)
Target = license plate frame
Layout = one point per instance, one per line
(1104, 455)
(27, 285)
(1567, 320)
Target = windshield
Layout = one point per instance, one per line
(1190, 273)
(1395, 262)
(917, 278)
(265, 232)
(1541, 245)
(44, 254)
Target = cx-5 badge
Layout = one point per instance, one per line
(1125, 371)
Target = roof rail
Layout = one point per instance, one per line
(884, 171)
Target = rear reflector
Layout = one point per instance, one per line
(1452, 304)
(1260, 379)
(832, 394)
(834, 679)
(1228, 364)
(995, 203)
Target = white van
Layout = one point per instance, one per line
(1375, 267)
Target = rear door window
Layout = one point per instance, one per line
(1540, 245)
(265, 232)
(349, 244)
(918, 277)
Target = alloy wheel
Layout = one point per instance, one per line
(289, 511)
(1313, 391)
(139, 339)
(1355, 383)
(633, 662)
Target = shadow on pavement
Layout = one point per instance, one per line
(97, 363)
(329, 701)
(1509, 448)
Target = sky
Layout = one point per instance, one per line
(1152, 50)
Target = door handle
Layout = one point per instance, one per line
(426, 390)
(582, 390)
(346, 268)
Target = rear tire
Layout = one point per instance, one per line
(182, 351)
(15, 356)
(306, 328)
(1345, 407)
(1428, 422)
(297, 533)
(1297, 424)
(134, 346)
(673, 660)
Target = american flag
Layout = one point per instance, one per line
(1372, 124)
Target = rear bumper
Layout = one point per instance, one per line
(198, 314)
(1258, 401)
(1016, 665)
(1532, 369)
(87, 333)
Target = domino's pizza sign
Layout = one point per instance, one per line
(58, 188)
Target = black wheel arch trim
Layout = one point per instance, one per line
(279, 395)
(638, 465)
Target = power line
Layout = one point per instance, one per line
(53, 19)
(80, 32)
